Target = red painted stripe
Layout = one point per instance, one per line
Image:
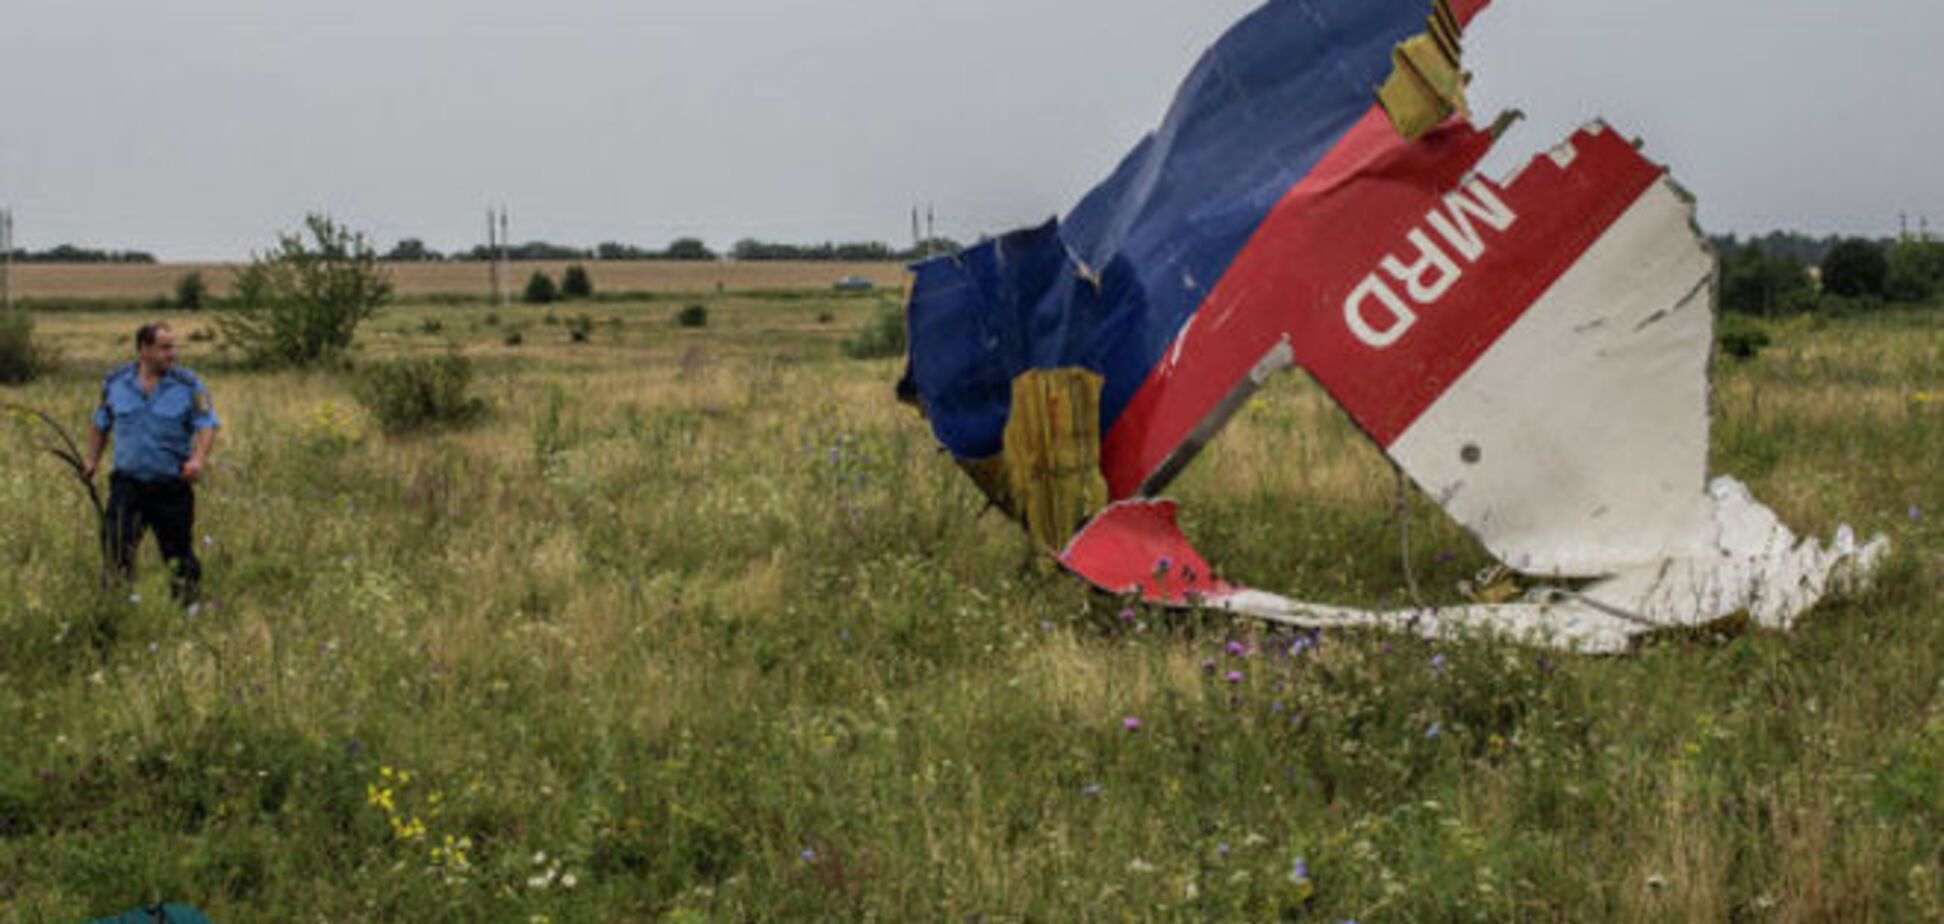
(1329, 234)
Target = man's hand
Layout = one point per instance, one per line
(192, 470)
(88, 470)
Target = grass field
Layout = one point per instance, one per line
(67, 282)
(698, 625)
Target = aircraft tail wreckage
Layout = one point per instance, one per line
(1533, 352)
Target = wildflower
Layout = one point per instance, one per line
(1436, 729)
(1438, 662)
(569, 881)
(1657, 882)
(1127, 615)
(1234, 677)
(1916, 514)
(1131, 723)
(1091, 790)
(1163, 565)
(1299, 872)
(540, 858)
(808, 855)
(1208, 666)
(1138, 865)
(1237, 650)
(1222, 850)
(135, 599)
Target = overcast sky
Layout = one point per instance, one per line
(197, 128)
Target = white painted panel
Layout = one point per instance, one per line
(1577, 444)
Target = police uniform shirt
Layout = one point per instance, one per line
(153, 431)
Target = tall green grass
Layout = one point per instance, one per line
(700, 626)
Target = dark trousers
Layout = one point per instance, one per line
(169, 508)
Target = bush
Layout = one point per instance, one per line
(1740, 338)
(301, 303)
(693, 316)
(431, 326)
(882, 338)
(1855, 268)
(575, 283)
(492, 319)
(419, 393)
(513, 338)
(579, 328)
(540, 290)
(22, 357)
(191, 292)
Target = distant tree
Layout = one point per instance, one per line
(575, 283)
(613, 251)
(412, 250)
(540, 290)
(688, 248)
(1752, 282)
(1854, 268)
(191, 292)
(301, 303)
(1916, 271)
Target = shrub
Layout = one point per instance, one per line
(1855, 268)
(693, 316)
(575, 283)
(419, 393)
(301, 303)
(513, 338)
(540, 290)
(1740, 338)
(191, 292)
(579, 328)
(431, 326)
(22, 357)
(883, 337)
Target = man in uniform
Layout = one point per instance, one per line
(164, 427)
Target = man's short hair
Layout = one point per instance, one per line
(145, 335)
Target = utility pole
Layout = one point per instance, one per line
(492, 253)
(916, 238)
(931, 227)
(505, 293)
(6, 259)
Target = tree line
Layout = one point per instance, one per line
(414, 250)
(69, 253)
(1782, 273)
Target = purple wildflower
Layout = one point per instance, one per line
(1237, 650)
(808, 855)
(1299, 872)
(1438, 662)
(1235, 677)
(1436, 729)
(1222, 850)
(1127, 615)
(1131, 723)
